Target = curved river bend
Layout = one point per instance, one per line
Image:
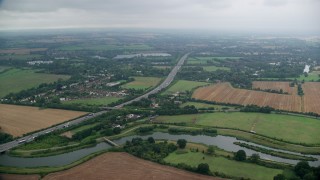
(223, 142)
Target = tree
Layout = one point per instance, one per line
(210, 150)
(116, 130)
(254, 158)
(182, 143)
(151, 140)
(203, 168)
(279, 177)
(309, 176)
(302, 168)
(240, 155)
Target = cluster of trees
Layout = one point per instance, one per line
(272, 91)
(4, 137)
(148, 149)
(255, 108)
(206, 131)
(300, 90)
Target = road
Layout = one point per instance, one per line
(31, 137)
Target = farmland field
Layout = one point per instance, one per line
(109, 47)
(276, 85)
(290, 128)
(93, 101)
(203, 60)
(16, 80)
(183, 85)
(224, 165)
(225, 93)
(311, 97)
(215, 68)
(142, 83)
(115, 165)
(18, 120)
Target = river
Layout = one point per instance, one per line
(223, 142)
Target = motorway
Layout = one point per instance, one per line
(31, 137)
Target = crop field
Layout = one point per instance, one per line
(18, 120)
(115, 165)
(224, 165)
(311, 97)
(21, 51)
(93, 101)
(287, 127)
(203, 60)
(16, 80)
(142, 83)
(183, 86)
(225, 93)
(109, 47)
(276, 85)
(215, 68)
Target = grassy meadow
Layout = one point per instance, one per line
(15, 80)
(283, 127)
(224, 165)
(183, 85)
(142, 83)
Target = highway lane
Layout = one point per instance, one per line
(31, 137)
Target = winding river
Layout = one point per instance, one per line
(223, 142)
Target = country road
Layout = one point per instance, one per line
(9, 145)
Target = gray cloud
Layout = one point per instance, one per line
(275, 15)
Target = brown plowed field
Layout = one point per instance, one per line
(225, 93)
(18, 120)
(115, 165)
(311, 97)
(285, 86)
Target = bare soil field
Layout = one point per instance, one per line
(18, 120)
(225, 93)
(21, 51)
(19, 177)
(311, 97)
(119, 165)
(264, 85)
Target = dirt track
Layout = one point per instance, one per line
(123, 166)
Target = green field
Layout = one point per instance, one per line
(313, 76)
(93, 101)
(142, 83)
(203, 60)
(215, 68)
(3, 68)
(15, 80)
(286, 127)
(110, 47)
(224, 165)
(204, 105)
(182, 86)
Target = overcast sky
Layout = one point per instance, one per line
(242, 15)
